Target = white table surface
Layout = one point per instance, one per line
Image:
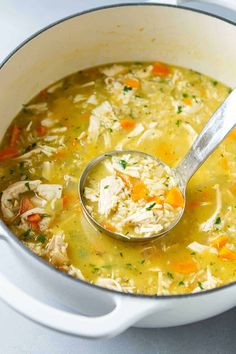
(18, 20)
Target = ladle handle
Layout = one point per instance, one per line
(219, 125)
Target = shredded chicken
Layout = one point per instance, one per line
(57, 250)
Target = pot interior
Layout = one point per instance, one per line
(117, 34)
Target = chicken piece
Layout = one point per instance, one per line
(75, 272)
(50, 191)
(109, 189)
(12, 194)
(56, 250)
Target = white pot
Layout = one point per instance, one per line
(113, 34)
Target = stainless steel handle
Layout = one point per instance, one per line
(220, 124)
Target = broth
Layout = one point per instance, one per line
(151, 107)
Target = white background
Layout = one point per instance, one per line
(18, 20)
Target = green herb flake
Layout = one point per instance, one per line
(127, 89)
(142, 261)
(121, 254)
(200, 285)
(170, 275)
(178, 122)
(41, 238)
(26, 234)
(179, 109)
(107, 186)
(185, 95)
(123, 164)
(214, 82)
(151, 206)
(193, 253)
(181, 283)
(218, 221)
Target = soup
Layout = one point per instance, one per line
(133, 195)
(151, 107)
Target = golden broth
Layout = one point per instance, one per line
(172, 104)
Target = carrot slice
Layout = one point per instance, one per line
(68, 199)
(8, 153)
(15, 133)
(41, 130)
(175, 198)
(187, 101)
(227, 254)
(220, 241)
(160, 69)
(139, 191)
(109, 227)
(184, 267)
(132, 83)
(127, 124)
(26, 205)
(156, 199)
(34, 218)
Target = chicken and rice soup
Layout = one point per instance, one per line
(133, 195)
(151, 107)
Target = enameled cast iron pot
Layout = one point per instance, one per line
(135, 32)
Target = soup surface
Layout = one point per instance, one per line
(154, 108)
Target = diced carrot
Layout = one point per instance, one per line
(41, 130)
(126, 179)
(187, 101)
(220, 241)
(227, 254)
(15, 133)
(134, 83)
(184, 267)
(109, 227)
(175, 198)
(8, 153)
(68, 199)
(156, 199)
(127, 123)
(139, 191)
(160, 69)
(26, 205)
(232, 134)
(34, 218)
(60, 154)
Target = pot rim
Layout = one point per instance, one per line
(41, 260)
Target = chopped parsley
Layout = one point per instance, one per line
(218, 221)
(107, 186)
(214, 82)
(179, 109)
(121, 254)
(126, 89)
(178, 122)
(142, 261)
(151, 206)
(181, 283)
(200, 285)
(26, 234)
(185, 95)
(123, 164)
(41, 238)
(170, 275)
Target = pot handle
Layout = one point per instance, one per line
(127, 311)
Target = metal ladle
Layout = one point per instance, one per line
(216, 129)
